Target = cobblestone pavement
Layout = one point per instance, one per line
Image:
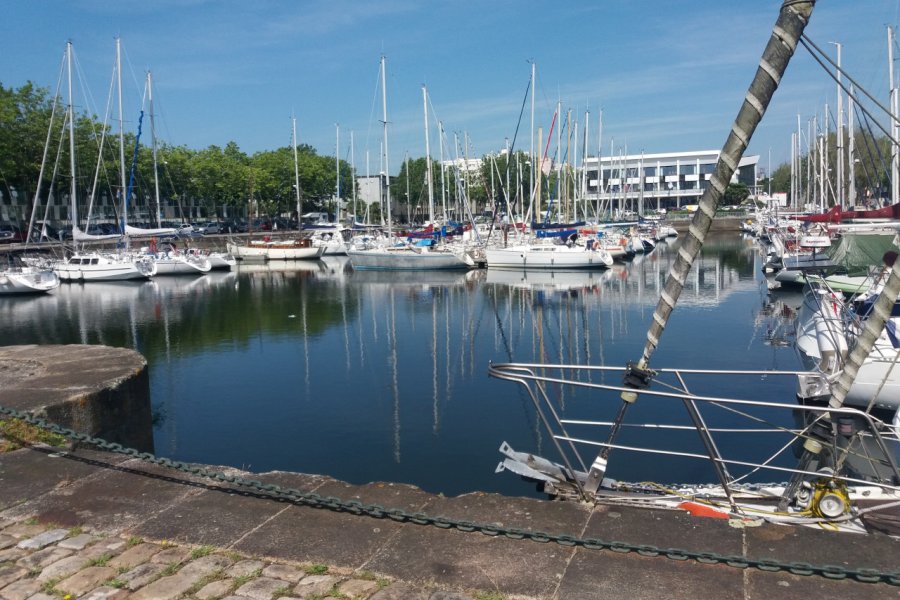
(38, 562)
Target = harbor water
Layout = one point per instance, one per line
(312, 367)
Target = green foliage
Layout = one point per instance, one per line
(736, 193)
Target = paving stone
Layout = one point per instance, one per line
(216, 589)
(20, 590)
(357, 587)
(205, 565)
(141, 575)
(11, 573)
(6, 541)
(63, 568)
(78, 542)
(315, 585)
(245, 568)
(22, 530)
(134, 556)
(171, 556)
(262, 588)
(167, 588)
(42, 596)
(43, 540)
(448, 596)
(399, 591)
(106, 593)
(285, 572)
(42, 558)
(86, 580)
(11, 554)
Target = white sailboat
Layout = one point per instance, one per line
(847, 476)
(93, 265)
(16, 277)
(397, 255)
(300, 248)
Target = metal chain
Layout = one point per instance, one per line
(312, 499)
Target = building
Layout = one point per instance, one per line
(646, 182)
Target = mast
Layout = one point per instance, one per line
(792, 20)
(153, 146)
(124, 188)
(840, 132)
(71, 116)
(895, 128)
(296, 167)
(428, 160)
(387, 170)
(851, 152)
(337, 168)
(443, 170)
(353, 175)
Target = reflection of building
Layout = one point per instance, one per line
(671, 180)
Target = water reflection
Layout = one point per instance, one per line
(364, 375)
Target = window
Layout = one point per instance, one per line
(688, 169)
(707, 168)
(649, 171)
(669, 170)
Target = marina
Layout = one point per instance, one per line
(382, 376)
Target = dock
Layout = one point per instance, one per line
(202, 524)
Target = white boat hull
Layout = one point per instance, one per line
(182, 265)
(97, 267)
(408, 259)
(27, 281)
(274, 251)
(547, 256)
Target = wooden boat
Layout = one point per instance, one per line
(268, 249)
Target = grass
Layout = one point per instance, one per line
(489, 596)
(134, 541)
(15, 434)
(316, 569)
(201, 551)
(100, 561)
(242, 579)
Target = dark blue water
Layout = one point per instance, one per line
(367, 376)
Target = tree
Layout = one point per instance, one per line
(736, 193)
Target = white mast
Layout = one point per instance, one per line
(534, 159)
(71, 116)
(296, 168)
(428, 160)
(443, 169)
(123, 183)
(895, 129)
(851, 153)
(353, 174)
(387, 171)
(799, 175)
(337, 168)
(153, 146)
(840, 132)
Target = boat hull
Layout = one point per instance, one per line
(407, 259)
(27, 281)
(96, 267)
(549, 256)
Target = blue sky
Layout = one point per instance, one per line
(668, 76)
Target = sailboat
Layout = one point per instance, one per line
(300, 248)
(331, 234)
(840, 462)
(393, 254)
(93, 265)
(17, 277)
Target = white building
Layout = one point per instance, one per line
(640, 182)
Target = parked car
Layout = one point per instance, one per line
(208, 228)
(234, 226)
(10, 234)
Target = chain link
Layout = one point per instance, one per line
(312, 499)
